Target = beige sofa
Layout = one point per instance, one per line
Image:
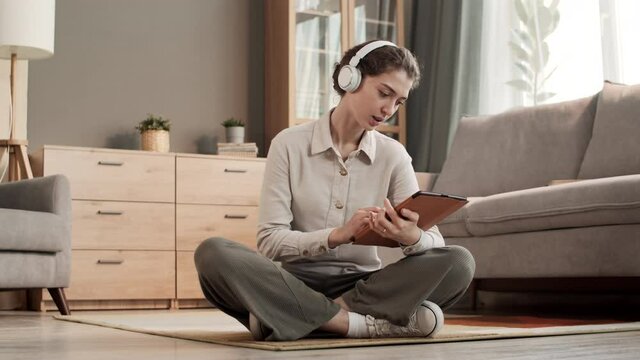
(583, 234)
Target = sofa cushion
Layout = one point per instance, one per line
(610, 250)
(31, 231)
(606, 201)
(614, 148)
(518, 149)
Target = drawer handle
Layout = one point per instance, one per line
(227, 216)
(107, 212)
(111, 163)
(110, 262)
(235, 170)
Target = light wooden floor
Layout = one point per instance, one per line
(30, 335)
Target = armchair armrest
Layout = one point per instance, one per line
(47, 194)
(426, 180)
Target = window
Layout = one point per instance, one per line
(593, 41)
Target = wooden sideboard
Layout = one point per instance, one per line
(214, 197)
(139, 216)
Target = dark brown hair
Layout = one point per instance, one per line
(379, 61)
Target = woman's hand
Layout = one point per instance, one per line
(345, 234)
(403, 230)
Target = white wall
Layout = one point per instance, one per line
(193, 61)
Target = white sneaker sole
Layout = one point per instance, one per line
(439, 316)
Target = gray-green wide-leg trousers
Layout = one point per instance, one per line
(239, 281)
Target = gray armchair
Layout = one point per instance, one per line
(35, 236)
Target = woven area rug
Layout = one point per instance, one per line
(216, 327)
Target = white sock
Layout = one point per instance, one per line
(357, 326)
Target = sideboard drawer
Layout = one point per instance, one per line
(105, 275)
(117, 175)
(187, 283)
(195, 223)
(218, 181)
(118, 225)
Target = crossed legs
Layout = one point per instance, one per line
(239, 281)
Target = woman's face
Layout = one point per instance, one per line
(379, 97)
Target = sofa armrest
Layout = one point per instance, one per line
(426, 180)
(561, 181)
(47, 194)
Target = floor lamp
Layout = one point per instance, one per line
(26, 33)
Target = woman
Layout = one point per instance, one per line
(322, 183)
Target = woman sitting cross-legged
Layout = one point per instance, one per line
(325, 181)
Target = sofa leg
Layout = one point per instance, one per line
(57, 294)
(473, 290)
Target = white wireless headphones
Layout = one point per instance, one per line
(349, 77)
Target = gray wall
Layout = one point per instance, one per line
(196, 62)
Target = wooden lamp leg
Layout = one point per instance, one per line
(19, 167)
(13, 165)
(20, 152)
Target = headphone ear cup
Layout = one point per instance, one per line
(356, 78)
(349, 78)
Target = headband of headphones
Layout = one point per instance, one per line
(367, 49)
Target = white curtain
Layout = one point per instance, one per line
(496, 67)
(621, 49)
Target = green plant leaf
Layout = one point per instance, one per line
(525, 68)
(231, 122)
(521, 85)
(153, 122)
(545, 20)
(555, 21)
(548, 76)
(531, 29)
(540, 97)
(545, 54)
(521, 11)
(524, 39)
(519, 52)
(535, 60)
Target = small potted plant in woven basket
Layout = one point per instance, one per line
(234, 130)
(154, 133)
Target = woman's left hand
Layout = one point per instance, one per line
(403, 229)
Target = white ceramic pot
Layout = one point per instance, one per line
(235, 134)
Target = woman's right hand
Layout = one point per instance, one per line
(345, 233)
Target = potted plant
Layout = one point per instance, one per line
(530, 48)
(154, 133)
(234, 130)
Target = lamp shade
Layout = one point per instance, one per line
(27, 28)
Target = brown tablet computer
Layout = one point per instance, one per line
(432, 207)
